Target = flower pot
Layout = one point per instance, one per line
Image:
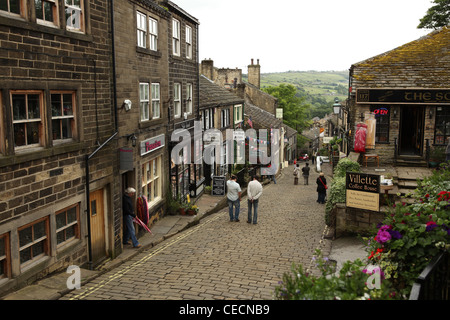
(191, 212)
(182, 211)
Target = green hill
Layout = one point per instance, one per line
(319, 88)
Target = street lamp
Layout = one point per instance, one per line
(336, 106)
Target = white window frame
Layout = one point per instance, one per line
(176, 32)
(141, 27)
(177, 99)
(188, 42)
(156, 101)
(189, 90)
(67, 225)
(152, 180)
(69, 117)
(79, 17)
(238, 113)
(22, 8)
(144, 101)
(225, 118)
(153, 34)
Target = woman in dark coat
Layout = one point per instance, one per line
(321, 190)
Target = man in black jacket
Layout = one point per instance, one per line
(128, 215)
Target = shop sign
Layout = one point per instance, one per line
(411, 96)
(218, 186)
(152, 144)
(363, 191)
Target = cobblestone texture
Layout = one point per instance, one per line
(219, 259)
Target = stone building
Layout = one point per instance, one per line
(183, 110)
(56, 119)
(219, 109)
(405, 93)
(142, 73)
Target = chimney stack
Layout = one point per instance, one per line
(254, 74)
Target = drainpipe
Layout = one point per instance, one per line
(89, 156)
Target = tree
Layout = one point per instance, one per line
(437, 16)
(295, 110)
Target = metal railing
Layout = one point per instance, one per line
(434, 281)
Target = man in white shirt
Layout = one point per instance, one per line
(254, 191)
(234, 198)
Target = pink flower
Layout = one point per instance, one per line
(383, 236)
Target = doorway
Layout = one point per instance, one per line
(98, 240)
(411, 130)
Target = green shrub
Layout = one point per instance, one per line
(346, 165)
(336, 194)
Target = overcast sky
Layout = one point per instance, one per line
(303, 35)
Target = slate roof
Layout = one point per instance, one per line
(213, 95)
(262, 119)
(424, 62)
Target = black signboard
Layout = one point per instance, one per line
(413, 96)
(218, 186)
(362, 191)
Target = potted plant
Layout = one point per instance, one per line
(208, 189)
(437, 155)
(191, 209)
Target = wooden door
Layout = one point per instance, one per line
(98, 243)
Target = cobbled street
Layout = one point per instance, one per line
(219, 259)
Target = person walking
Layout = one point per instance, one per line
(321, 188)
(233, 198)
(296, 174)
(128, 215)
(254, 191)
(305, 171)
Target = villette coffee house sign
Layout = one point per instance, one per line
(363, 191)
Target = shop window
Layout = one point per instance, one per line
(4, 256)
(27, 121)
(442, 133)
(151, 180)
(34, 241)
(63, 119)
(382, 115)
(67, 224)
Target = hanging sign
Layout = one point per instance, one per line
(152, 144)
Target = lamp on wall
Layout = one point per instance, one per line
(395, 113)
(133, 139)
(431, 113)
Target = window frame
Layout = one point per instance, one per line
(152, 176)
(153, 34)
(40, 120)
(80, 9)
(141, 28)
(383, 122)
(177, 100)
(238, 112)
(75, 224)
(55, 13)
(5, 260)
(45, 239)
(22, 9)
(144, 102)
(176, 37)
(72, 117)
(441, 112)
(156, 100)
(189, 98)
(188, 31)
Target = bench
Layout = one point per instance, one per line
(371, 156)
